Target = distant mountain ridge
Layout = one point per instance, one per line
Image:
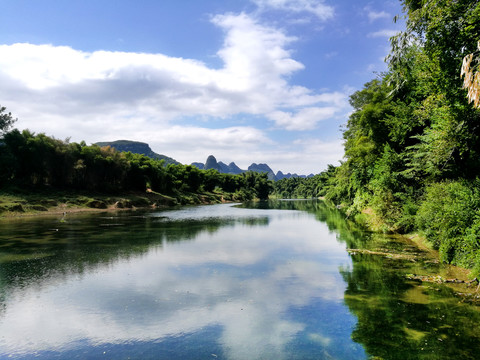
(232, 168)
(137, 147)
(212, 163)
(280, 175)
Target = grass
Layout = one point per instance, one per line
(15, 201)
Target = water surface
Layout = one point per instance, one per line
(264, 281)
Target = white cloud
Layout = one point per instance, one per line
(190, 144)
(305, 119)
(64, 82)
(383, 33)
(255, 56)
(315, 7)
(108, 95)
(321, 152)
(374, 15)
(308, 118)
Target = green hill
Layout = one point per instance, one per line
(136, 147)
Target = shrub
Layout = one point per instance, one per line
(449, 216)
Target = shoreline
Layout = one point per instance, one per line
(64, 211)
(44, 203)
(459, 279)
(455, 277)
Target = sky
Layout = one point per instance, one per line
(264, 81)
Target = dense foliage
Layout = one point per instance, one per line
(412, 143)
(301, 187)
(37, 160)
(412, 149)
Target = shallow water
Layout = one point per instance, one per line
(261, 281)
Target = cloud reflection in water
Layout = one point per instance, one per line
(243, 279)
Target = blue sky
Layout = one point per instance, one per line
(263, 81)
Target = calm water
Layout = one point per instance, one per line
(265, 281)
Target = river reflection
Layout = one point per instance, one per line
(259, 281)
(200, 282)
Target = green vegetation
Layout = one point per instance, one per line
(412, 143)
(303, 188)
(6, 120)
(38, 170)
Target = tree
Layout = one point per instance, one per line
(6, 120)
(471, 77)
(263, 186)
(447, 31)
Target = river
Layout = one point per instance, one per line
(256, 281)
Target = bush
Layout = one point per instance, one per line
(470, 246)
(449, 216)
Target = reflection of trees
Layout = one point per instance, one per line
(35, 249)
(396, 319)
(347, 230)
(255, 221)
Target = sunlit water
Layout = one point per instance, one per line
(217, 282)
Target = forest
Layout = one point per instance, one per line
(412, 146)
(37, 161)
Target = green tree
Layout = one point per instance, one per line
(6, 120)
(263, 186)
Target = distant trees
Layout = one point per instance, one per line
(303, 188)
(29, 159)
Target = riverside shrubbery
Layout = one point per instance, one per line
(449, 216)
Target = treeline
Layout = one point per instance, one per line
(412, 143)
(36, 160)
(303, 188)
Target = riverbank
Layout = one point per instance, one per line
(19, 203)
(428, 268)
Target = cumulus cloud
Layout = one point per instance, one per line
(320, 152)
(66, 92)
(204, 142)
(383, 33)
(304, 119)
(374, 15)
(308, 118)
(253, 79)
(315, 7)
